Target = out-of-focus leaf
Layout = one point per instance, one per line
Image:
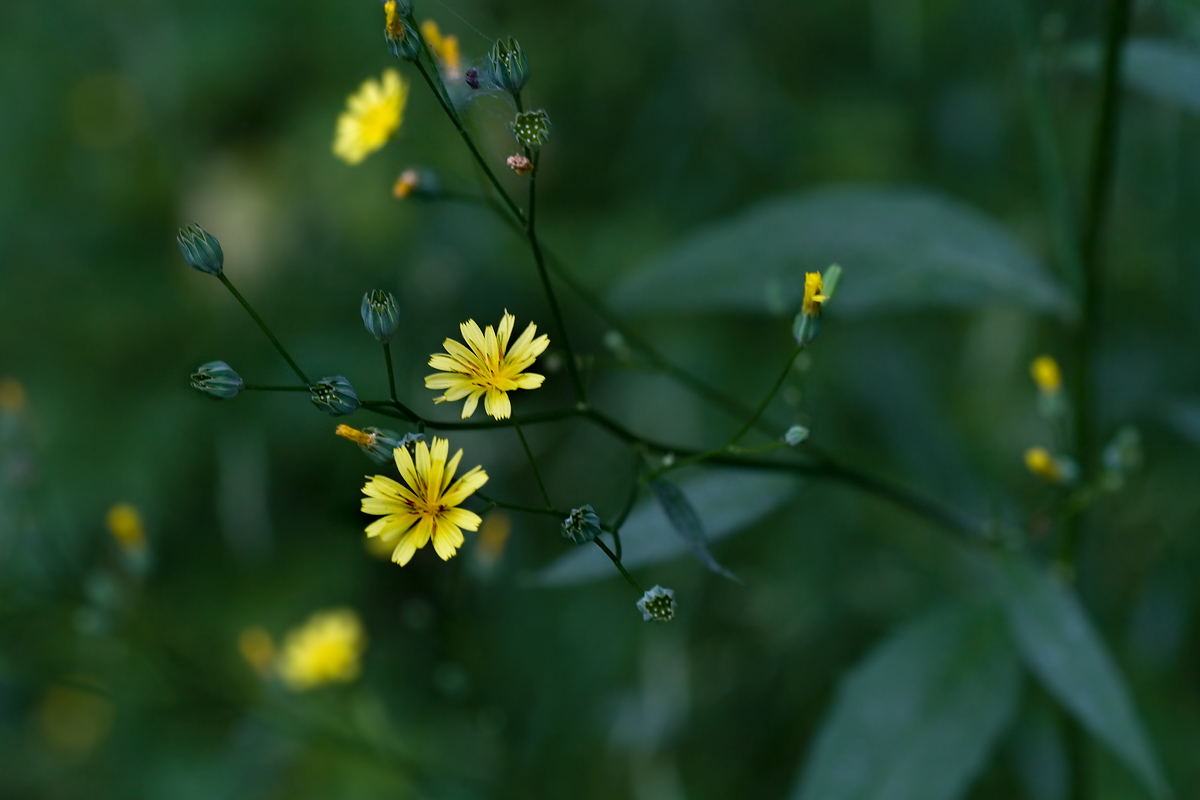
(726, 501)
(1060, 646)
(918, 718)
(1184, 417)
(1039, 753)
(901, 249)
(1158, 68)
(686, 523)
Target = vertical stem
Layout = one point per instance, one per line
(529, 454)
(387, 356)
(620, 566)
(766, 401)
(531, 232)
(299, 373)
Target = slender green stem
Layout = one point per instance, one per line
(766, 401)
(387, 408)
(535, 245)
(533, 464)
(250, 310)
(253, 387)
(547, 512)
(466, 137)
(387, 357)
(613, 557)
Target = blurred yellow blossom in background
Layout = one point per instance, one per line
(325, 649)
(372, 116)
(125, 525)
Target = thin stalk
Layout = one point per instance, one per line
(387, 408)
(548, 512)
(533, 465)
(766, 401)
(250, 310)
(617, 561)
(387, 357)
(254, 387)
(531, 233)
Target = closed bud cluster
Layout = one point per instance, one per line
(398, 31)
(582, 526)
(380, 314)
(378, 443)
(532, 128)
(217, 379)
(657, 605)
(508, 65)
(334, 395)
(201, 250)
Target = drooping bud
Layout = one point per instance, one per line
(200, 249)
(508, 65)
(379, 444)
(217, 379)
(658, 605)
(582, 526)
(532, 128)
(334, 395)
(520, 164)
(796, 435)
(380, 314)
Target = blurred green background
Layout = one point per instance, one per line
(125, 119)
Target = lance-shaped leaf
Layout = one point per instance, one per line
(918, 717)
(686, 522)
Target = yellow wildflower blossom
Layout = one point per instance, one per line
(489, 368)
(425, 506)
(325, 649)
(125, 525)
(394, 26)
(812, 294)
(1045, 466)
(1046, 375)
(445, 48)
(372, 115)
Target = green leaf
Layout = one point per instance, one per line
(686, 523)
(918, 718)
(901, 249)
(1158, 68)
(1060, 646)
(727, 501)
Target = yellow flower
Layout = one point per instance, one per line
(1046, 374)
(812, 294)
(394, 22)
(406, 184)
(1041, 463)
(489, 369)
(445, 48)
(327, 648)
(425, 508)
(125, 525)
(371, 117)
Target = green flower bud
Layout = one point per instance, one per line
(334, 395)
(1124, 453)
(380, 314)
(402, 38)
(508, 66)
(795, 435)
(658, 605)
(217, 379)
(532, 128)
(200, 249)
(582, 526)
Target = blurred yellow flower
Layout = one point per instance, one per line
(125, 525)
(425, 508)
(325, 649)
(12, 395)
(489, 368)
(1046, 374)
(1039, 461)
(445, 48)
(812, 294)
(372, 115)
(75, 716)
(257, 647)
